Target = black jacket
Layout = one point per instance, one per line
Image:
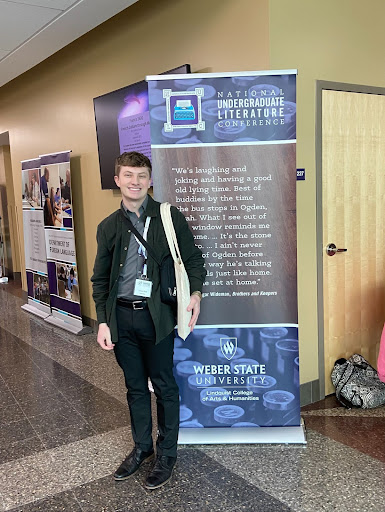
(113, 237)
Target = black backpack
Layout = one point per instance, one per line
(357, 383)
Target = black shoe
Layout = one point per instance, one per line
(132, 463)
(161, 472)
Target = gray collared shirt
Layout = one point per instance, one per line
(134, 261)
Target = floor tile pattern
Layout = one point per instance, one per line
(64, 428)
(46, 403)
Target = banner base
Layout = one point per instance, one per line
(35, 311)
(58, 322)
(253, 435)
(3, 280)
(86, 330)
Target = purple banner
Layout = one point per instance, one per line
(55, 158)
(34, 241)
(223, 150)
(60, 241)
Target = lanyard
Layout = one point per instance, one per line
(142, 251)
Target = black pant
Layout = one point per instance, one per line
(140, 358)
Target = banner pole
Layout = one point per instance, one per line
(3, 277)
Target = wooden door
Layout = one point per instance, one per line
(353, 202)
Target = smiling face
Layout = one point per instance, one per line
(134, 183)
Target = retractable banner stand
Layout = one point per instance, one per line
(34, 241)
(55, 184)
(223, 152)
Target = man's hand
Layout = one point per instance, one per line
(104, 337)
(195, 307)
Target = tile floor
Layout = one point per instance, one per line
(64, 428)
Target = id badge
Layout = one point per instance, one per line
(143, 287)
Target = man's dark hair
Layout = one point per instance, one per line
(132, 159)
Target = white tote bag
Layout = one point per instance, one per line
(181, 277)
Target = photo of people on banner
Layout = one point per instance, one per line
(40, 288)
(55, 183)
(31, 188)
(67, 281)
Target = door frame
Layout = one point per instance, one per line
(322, 85)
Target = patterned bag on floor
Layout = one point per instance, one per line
(357, 383)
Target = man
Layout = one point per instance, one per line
(44, 182)
(132, 319)
(71, 280)
(66, 188)
(62, 275)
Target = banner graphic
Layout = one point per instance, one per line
(34, 242)
(60, 241)
(224, 153)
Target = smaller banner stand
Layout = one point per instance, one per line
(3, 277)
(60, 243)
(34, 241)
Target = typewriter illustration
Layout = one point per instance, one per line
(183, 110)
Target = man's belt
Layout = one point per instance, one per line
(132, 304)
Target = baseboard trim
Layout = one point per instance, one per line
(90, 322)
(10, 274)
(310, 392)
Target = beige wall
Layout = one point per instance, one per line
(339, 41)
(50, 107)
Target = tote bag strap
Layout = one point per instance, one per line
(165, 212)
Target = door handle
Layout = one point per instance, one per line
(331, 250)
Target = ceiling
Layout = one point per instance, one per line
(32, 30)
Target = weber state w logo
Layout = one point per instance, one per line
(229, 347)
